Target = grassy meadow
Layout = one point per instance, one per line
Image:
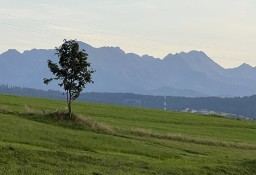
(117, 140)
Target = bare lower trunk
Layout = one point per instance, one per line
(69, 109)
(67, 96)
(69, 104)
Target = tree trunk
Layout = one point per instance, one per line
(68, 93)
(67, 96)
(69, 109)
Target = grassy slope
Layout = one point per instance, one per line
(124, 141)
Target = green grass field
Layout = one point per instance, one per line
(120, 140)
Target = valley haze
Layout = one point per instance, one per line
(191, 74)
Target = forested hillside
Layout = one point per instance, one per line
(244, 106)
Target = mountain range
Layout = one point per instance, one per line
(191, 74)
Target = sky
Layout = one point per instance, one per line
(224, 29)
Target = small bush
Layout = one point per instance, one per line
(83, 121)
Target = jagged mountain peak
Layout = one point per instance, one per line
(149, 57)
(245, 66)
(196, 60)
(84, 45)
(112, 50)
(197, 53)
(187, 55)
(34, 50)
(11, 52)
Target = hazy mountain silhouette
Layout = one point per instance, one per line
(183, 74)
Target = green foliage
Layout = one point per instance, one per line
(73, 70)
(140, 141)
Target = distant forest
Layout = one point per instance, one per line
(244, 106)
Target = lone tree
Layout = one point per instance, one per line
(73, 70)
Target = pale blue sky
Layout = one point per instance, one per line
(224, 29)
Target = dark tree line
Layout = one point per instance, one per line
(238, 105)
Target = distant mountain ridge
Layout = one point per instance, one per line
(191, 74)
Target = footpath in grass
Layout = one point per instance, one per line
(118, 140)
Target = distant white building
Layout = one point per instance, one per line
(193, 111)
(185, 110)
